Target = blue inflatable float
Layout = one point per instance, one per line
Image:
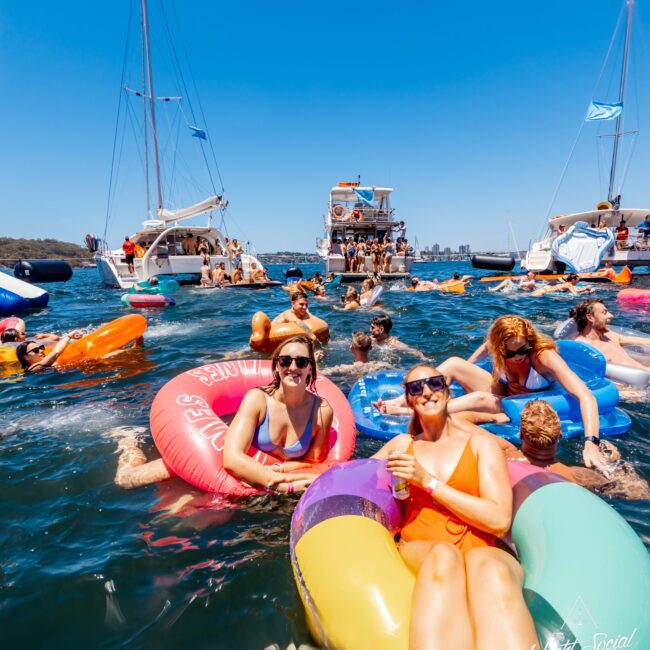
(16, 295)
(587, 362)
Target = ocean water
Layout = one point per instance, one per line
(85, 562)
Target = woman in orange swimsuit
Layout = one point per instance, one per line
(468, 592)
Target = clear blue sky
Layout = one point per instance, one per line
(467, 109)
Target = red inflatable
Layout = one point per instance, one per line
(7, 323)
(188, 429)
(634, 296)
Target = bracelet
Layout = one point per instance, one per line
(431, 485)
(289, 487)
(594, 439)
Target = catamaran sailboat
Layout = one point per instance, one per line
(361, 214)
(584, 240)
(165, 245)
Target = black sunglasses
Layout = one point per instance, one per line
(284, 361)
(38, 348)
(434, 384)
(523, 350)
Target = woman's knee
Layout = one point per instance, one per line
(493, 577)
(443, 562)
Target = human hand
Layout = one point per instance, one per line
(380, 405)
(75, 334)
(593, 457)
(407, 467)
(319, 355)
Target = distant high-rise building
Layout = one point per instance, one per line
(427, 249)
(435, 249)
(447, 250)
(464, 249)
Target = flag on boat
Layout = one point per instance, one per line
(198, 133)
(600, 111)
(365, 196)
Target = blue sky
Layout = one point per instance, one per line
(467, 110)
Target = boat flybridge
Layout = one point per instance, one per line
(609, 233)
(360, 214)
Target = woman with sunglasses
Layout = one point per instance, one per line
(523, 361)
(284, 419)
(31, 354)
(460, 501)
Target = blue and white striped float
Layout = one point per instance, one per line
(16, 295)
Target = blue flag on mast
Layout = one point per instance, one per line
(600, 111)
(198, 133)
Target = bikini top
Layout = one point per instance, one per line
(534, 382)
(262, 435)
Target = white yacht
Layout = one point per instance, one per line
(360, 213)
(575, 240)
(159, 243)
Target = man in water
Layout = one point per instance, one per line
(360, 346)
(380, 328)
(422, 285)
(593, 320)
(298, 313)
(568, 285)
(527, 283)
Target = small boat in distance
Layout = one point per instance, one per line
(584, 240)
(417, 256)
(362, 214)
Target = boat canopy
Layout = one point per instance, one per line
(612, 218)
(213, 203)
(349, 195)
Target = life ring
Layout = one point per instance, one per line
(339, 212)
(604, 205)
(356, 216)
(344, 559)
(266, 337)
(139, 251)
(188, 429)
(147, 300)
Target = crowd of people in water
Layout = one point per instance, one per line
(460, 500)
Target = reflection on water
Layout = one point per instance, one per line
(84, 562)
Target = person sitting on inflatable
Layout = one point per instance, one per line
(593, 319)
(283, 419)
(152, 281)
(298, 313)
(257, 275)
(607, 271)
(524, 361)
(527, 283)
(460, 501)
(569, 285)
(269, 418)
(31, 354)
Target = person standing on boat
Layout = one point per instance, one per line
(129, 253)
(206, 273)
(622, 233)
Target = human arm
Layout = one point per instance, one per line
(552, 363)
(625, 339)
(491, 511)
(238, 441)
(398, 443)
(50, 358)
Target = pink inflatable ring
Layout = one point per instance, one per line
(634, 296)
(189, 432)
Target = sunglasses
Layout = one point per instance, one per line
(284, 361)
(524, 350)
(38, 348)
(434, 384)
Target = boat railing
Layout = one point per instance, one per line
(359, 214)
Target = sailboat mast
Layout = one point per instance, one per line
(145, 121)
(621, 92)
(145, 30)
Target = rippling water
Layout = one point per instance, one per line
(84, 562)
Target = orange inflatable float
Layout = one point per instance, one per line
(266, 337)
(301, 285)
(104, 340)
(189, 428)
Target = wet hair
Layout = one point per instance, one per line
(414, 281)
(153, 281)
(383, 321)
(415, 426)
(311, 379)
(580, 312)
(508, 327)
(21, 354)
(352, 295)
(299, 295)
(571, 277)
(361, 341)
(540, 424)
(10, 335)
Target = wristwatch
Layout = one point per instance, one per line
(594, 439)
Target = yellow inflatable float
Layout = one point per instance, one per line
(266, 337)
